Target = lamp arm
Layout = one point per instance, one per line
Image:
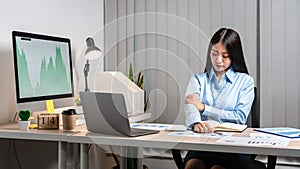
(86, 72)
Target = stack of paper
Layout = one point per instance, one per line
(160, 127)
(281, 131)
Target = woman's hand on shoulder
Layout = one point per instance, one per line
(202, 127)
(194, 99)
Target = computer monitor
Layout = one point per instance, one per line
(43, 70)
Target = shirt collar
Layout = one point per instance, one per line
(229, 75)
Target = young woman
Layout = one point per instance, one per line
(224, 92)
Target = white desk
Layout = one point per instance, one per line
(160, 140)
(11, 131)
(165, 141)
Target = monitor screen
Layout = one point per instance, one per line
(43, 67)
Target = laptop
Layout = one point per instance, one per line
(106, 113)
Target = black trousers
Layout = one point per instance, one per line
(227, 160)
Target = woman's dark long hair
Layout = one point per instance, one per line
(232, 42)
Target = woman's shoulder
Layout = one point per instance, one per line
(244, 77)
(200, 76)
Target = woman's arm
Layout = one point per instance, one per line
(195, 100)
(191, 112)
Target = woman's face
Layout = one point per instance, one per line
(220, 58)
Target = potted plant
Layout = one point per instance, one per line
(24, 121)
(140, 83)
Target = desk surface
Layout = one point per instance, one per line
(160, 140)
(165, 141)
(12, 131)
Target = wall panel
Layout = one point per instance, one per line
(279, 60)
(170, 40)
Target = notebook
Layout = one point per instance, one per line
(106, 113)
(226, 126)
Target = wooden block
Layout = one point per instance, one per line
(48, 121)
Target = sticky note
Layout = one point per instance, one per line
(33, 126)
(50, 106)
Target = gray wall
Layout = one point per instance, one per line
(75, 19)
(168, 41)
(280, 42)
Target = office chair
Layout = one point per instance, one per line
(252, 121)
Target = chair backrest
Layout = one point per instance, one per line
(253, 119)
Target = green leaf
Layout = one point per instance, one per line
(130, 73)
(24, 115)
(146, 104)
(141, 82)
(139, 77)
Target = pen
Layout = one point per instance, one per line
(218, 133)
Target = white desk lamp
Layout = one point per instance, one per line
(92, 52)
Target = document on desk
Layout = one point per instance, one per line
(194, 134)
(159, 127)
(281, 131)
(254, 142)
(266, 136)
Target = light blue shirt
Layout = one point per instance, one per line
(228, 100)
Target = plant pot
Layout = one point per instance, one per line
(24, 125)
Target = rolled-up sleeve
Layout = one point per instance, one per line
(192, 113)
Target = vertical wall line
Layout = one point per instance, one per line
(177, 54)
(126, 42)
(104, 36)
(258, 57)
(298, 61)
(118, 35)
(285, 65)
